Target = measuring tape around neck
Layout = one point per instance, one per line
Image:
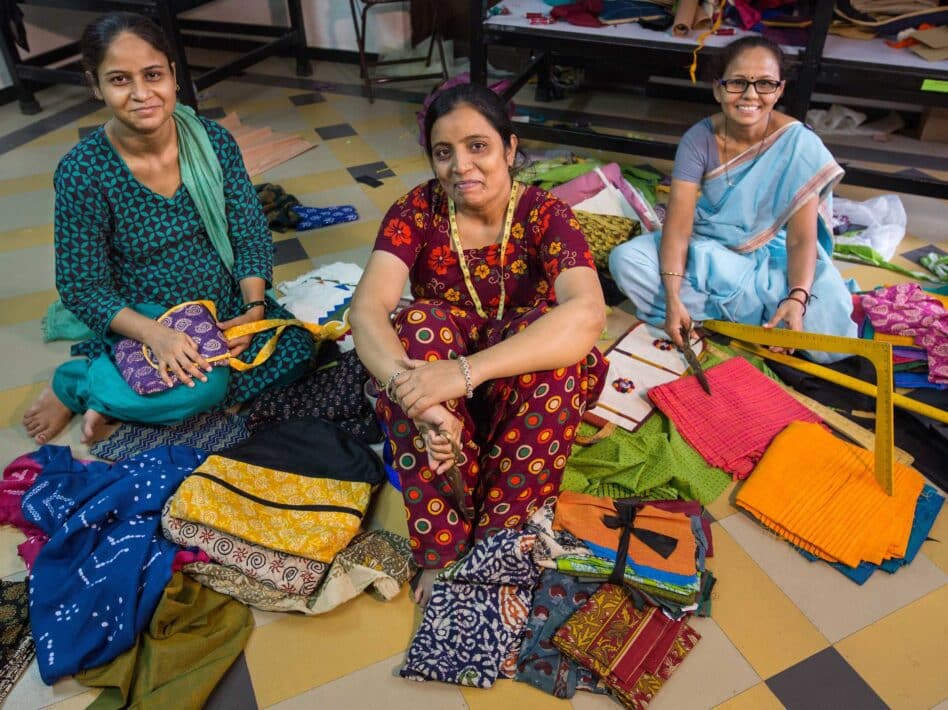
(878, 353)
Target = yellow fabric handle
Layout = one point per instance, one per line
(333, 330)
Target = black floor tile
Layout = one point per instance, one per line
(824, 681)
(235, 689)
(377, 170)
(313, 97)
(338, 130)
(288, 251)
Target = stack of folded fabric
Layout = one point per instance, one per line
(820, 494)
(273, 517)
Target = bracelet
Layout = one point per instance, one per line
(253, 304)
(793, 298)
(466, 371)
(671, 273)
(806, 294)
(390, 383)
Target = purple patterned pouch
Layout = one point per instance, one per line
(197, 319)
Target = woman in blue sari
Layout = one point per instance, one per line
(747, 236)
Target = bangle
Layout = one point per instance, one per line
(806, 294)
(253, 304)
(390, 383)
(671, 273)
(793, 298)
(466, 371)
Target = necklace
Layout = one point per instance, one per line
(760, 147)
(456, 241)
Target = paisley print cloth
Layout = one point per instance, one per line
(471, 628)
(904, 309)
(633, 651)
(16, 642)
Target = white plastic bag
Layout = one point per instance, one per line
(884, 218)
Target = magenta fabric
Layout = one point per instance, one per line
(732, 427)
(904, 309)
(589, 184)
(17, 478)
(193, 319)
(186, 557)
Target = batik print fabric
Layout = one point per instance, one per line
(540, 663)
(470, 631)
(279, 571)
(633, 651)
(517, 431)
(97, 581)
(733, 428)
(16, 642)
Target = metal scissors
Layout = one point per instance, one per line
(691, 358)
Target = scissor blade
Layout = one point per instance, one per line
(693, 361)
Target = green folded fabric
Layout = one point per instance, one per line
(194, 636)
(62, 324)
(863, 254)
(937, 264)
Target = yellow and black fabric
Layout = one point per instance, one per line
(300, 487)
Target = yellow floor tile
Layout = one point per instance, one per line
(293, 655)
(316, 182)
(511, 694)
(352, 150)
(76, 702)
(10, 561)
(388, 511)
(322, 114)
(29, 306)
(385, 195)
(903, 656)
(723, 505)
(936, 547)
(758, 618)
(759, 697)
(342, 238)
(15, 401)
(30, 183)
(26, 237)
(288, 272)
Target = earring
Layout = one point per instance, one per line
(177, 86)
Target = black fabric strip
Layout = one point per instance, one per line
(283, 506)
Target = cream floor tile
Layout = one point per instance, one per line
(31, 159)
(31, 693)
(26, 183)
(324, 648)
(30, 306)
(753, 611)
(14, 443)
(26, 356)
(388, 511)
(936, 547)
(77, 702)
(723, 506)
(904, 656)
(26, 237)
(593, 701)
(10, 537)
(378, 685)
(507, 693)
(837, 606)
(353, 150)
(292, 270)
(713, 672)
(759, 697)
(316, 182)
(322, 114)
(356, 106)
(311, 165)
(15, 401)
(943, 705)
(355, 255)
(26, 270)
(394, 143)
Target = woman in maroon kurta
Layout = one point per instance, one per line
(486, 374)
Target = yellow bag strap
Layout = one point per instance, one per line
(333, 330)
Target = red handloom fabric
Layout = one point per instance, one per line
(732, 427)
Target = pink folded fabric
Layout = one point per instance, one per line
(732, 427)
(17, 479)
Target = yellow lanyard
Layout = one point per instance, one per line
(456, 241)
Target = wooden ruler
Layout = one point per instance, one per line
(878, 353)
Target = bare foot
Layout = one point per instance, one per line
(93, 427)
(422, 586)
(46, 417)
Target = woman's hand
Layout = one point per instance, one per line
(676, 318)
(789, 312)
(426, 384)
(442, 433)
(239, 344)
(178, 354)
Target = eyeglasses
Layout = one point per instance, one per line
(739, 86)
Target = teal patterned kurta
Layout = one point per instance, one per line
(118, 244)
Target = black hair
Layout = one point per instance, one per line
(738, 46)
(481, 99)
(99, 35)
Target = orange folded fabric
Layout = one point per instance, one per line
(820, 493)
(582, 514)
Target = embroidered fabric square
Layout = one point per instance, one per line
(731, 428)
(470, 631)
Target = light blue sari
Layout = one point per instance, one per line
(737, 257)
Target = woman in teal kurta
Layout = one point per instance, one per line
(123, 248)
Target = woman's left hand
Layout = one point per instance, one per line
(425, 384)
(241, 343)
(791, 313)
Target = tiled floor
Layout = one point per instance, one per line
(784, 632)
